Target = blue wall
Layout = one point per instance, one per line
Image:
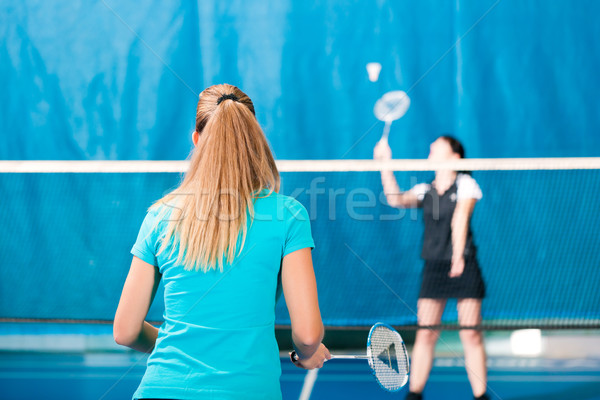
(111, 80)
(114, 80)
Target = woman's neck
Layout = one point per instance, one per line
(444, 179)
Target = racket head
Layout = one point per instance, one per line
(388, 357)
(391, 106)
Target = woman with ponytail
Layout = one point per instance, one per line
(224, 243)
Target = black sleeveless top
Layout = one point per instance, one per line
(437, 215)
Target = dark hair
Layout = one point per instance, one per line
(457, 148)
(455, 145)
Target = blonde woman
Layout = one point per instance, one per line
(223, 242)
(451, 268)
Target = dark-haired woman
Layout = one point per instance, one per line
(223, 242)
(451, 269)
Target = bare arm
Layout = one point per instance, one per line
(394, 196)
(460, 228)
(300, 291)
(130, 328)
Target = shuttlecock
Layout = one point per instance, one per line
(373, 69)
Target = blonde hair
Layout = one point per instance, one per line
(230, 165)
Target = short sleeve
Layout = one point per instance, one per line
(467, 188)
(297, 226)
(420, 190)
(145, 245)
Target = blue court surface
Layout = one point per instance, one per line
(104, 376)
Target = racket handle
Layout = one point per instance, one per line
(349, 356)
(386, 131)
(294, 356)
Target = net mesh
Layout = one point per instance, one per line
(67, 236)
(388, 357)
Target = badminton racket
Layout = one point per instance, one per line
(387, 356)
(391, 107)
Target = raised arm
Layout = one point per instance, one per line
(300, 291)
(460, 228)
(394, 196)
(130, 328)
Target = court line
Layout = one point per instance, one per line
(309, 382)
(485, 14)
(149, 47)
(61, 375)
(358, 369)
(462, 378)
(327, 378)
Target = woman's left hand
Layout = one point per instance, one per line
(458, 266)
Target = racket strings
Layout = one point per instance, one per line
(388, 358)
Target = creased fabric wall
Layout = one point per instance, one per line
(110, 80)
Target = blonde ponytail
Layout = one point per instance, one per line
(231, 164)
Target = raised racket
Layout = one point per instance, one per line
(391, 107)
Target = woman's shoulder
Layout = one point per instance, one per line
(420, 190)
(159, 214)
(288, 202)
(282, 204)
(467, 187)
(465, 178)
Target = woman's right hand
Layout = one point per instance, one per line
(382, 151)
(316, 360)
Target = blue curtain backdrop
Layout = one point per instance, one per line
(120, 80)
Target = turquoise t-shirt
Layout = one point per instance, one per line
(218, 336)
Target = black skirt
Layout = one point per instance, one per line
(437, 284)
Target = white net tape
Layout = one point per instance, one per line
(470, 164)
